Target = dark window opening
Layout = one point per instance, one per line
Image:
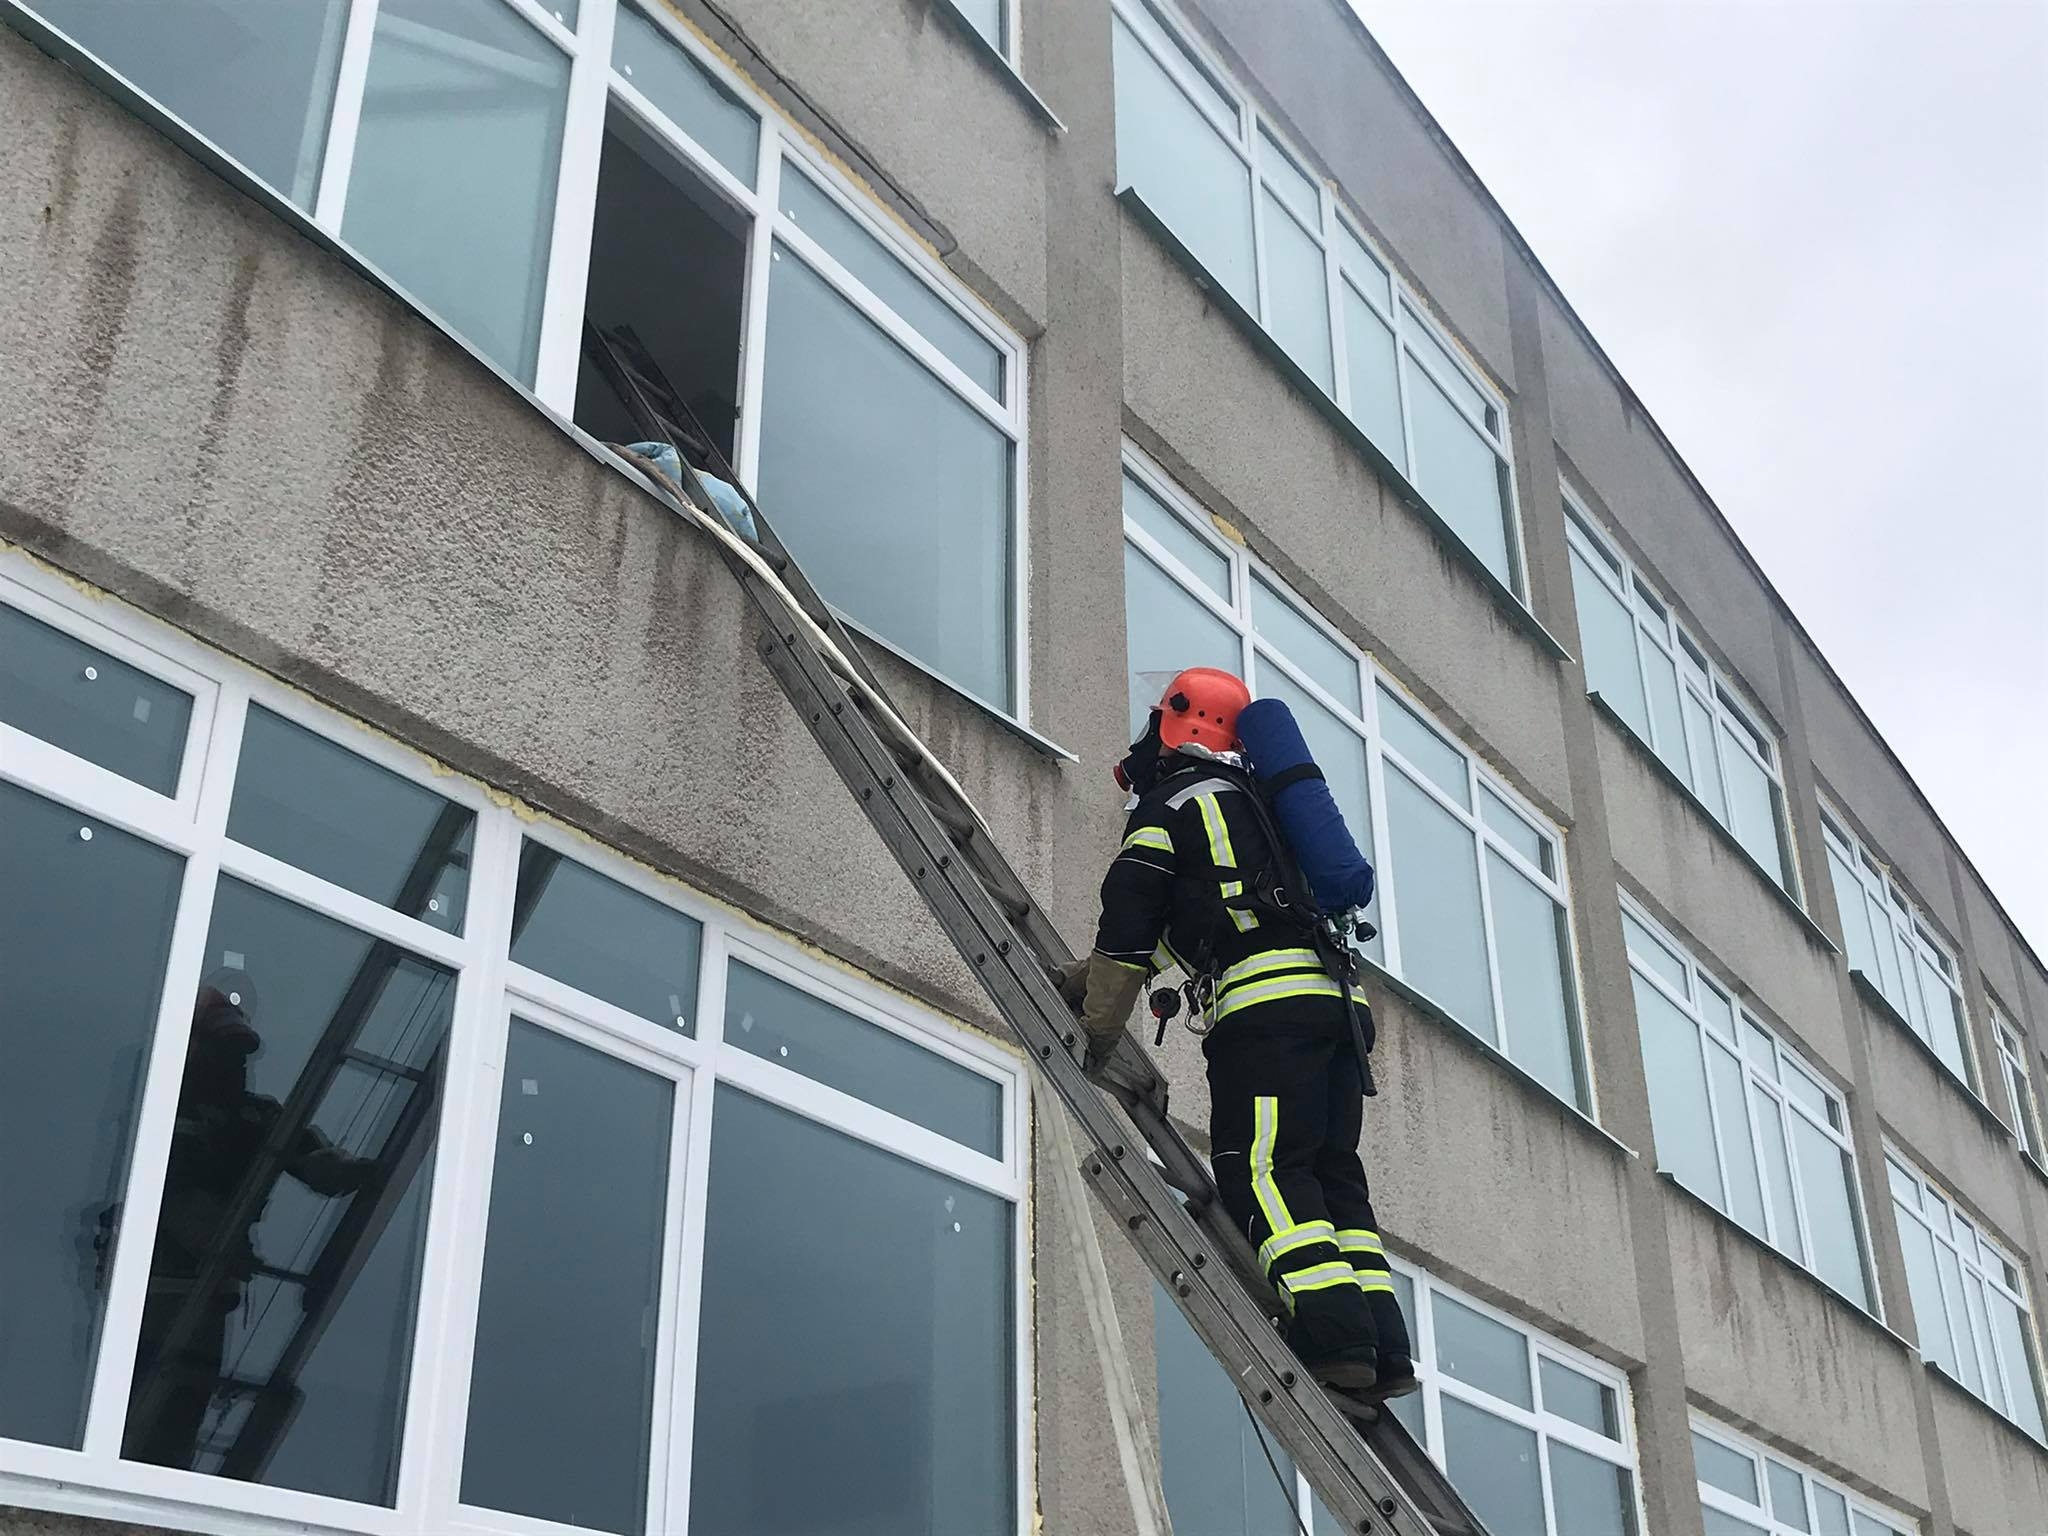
(668, 263)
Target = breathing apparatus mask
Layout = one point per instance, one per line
(1139, 770)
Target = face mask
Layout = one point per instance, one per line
(1140, 768)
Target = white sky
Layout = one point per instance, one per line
(1814, 237)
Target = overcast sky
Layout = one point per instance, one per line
(1814, 237)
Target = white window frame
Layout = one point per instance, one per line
(1759, 1455)
(1256, 651)
(1894, 917)
(1397, 303)
(1438, 1384)
(594, 85)
(490, 991)
(2019, 1088)
(1767, 1079)
(1980, 1259)
(1011, 47)
(1731, 718)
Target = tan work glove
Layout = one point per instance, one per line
(1112, 991)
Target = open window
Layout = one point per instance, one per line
(668, 262)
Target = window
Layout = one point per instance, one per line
(1893, 947)
(1641, 661)
(1746, 1490)
(351, 1121)
(2019, 1089)
(1740, 1119)
(1538, 1438)
(1472, 903)
(1969, 1300)
(1199, 152)
(519, 167)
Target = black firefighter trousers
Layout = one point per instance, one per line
(1287, 1107)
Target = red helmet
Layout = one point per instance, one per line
(1199, 708)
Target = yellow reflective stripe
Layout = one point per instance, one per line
(1280, 1244)
(1128, 965)
(1266, 1131)
(1375, 1280)
(1264, 964)
(1283, 987)
(1319, 1277)
(1358, 1240)
(1223, 856)
(1150, 837)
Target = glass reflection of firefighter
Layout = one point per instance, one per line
(221, 1134)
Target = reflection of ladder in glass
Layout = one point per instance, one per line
(260, 1407)
(1374, 1479)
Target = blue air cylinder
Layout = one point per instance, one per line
(1337, 872)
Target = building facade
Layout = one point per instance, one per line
(399, 824)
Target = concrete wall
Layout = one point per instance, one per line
(1997, 1477)
(1771, 1349)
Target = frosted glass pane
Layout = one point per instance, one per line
(1328, 663)
(988, 17)
(1433, 876)
(1745, 1184)
(1679, 1116)
(1424, 749)
(886, 483)
(1706, 767)
(1607, 635)
(453, 187)
(1481, 1352)
(1944, 1020)
(1529, 940)
(1592, 1497)
(1183, 168)
(885, 275)
(664, 72)
(1788, 1495)
(1831, 1512)
(79, 698)
(255, 78)
(1375, 387)
(1826, 1178)
(1652, 951)
(1770, 1125)
(1202, 559)
(1571, 1395)
(1725, 1468)
(1923, 1284)
(1289, 181)
(1855, 916)
(1492, 1463)
(1753, 801)
(1663, 675)
(1297, 294)
(2022, 1370)
(1455, 468)
(1165, 629)
(1965, 1363)
(1514, 830)
(1212, 1464)
(1718, 1524)
(1445, 369)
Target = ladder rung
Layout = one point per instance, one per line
(375, 1063)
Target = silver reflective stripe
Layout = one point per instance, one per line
(1181, 797)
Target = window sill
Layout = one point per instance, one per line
(1815, 934)
(997, 60)
(1787, 1261)
(1963, 1392)
(1875, 999)
(996, 715)
(1505, 597)
(1422, 1003)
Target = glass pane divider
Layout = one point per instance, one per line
(601, 1025)
(350, 81)
(860, 1120)
(690, 1168)
(1270, 655)
(149, 1161)
(797, 240)
(95, 792)
(754, 325)
(1176, 69)
(563, 37)
(1196, 588)
(275, 876)
(458, 1207)
(559, 357)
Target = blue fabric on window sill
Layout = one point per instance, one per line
(731, 505)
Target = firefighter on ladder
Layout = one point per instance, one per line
(1191, 888)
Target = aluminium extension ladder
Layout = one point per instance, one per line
(1376, 1480)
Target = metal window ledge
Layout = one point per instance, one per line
(1422, 1003)
(1006, 72)
(1941, 1375)
(1505, 597)
(1877, 1002)
(1762, 1245)
(1815, 934)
